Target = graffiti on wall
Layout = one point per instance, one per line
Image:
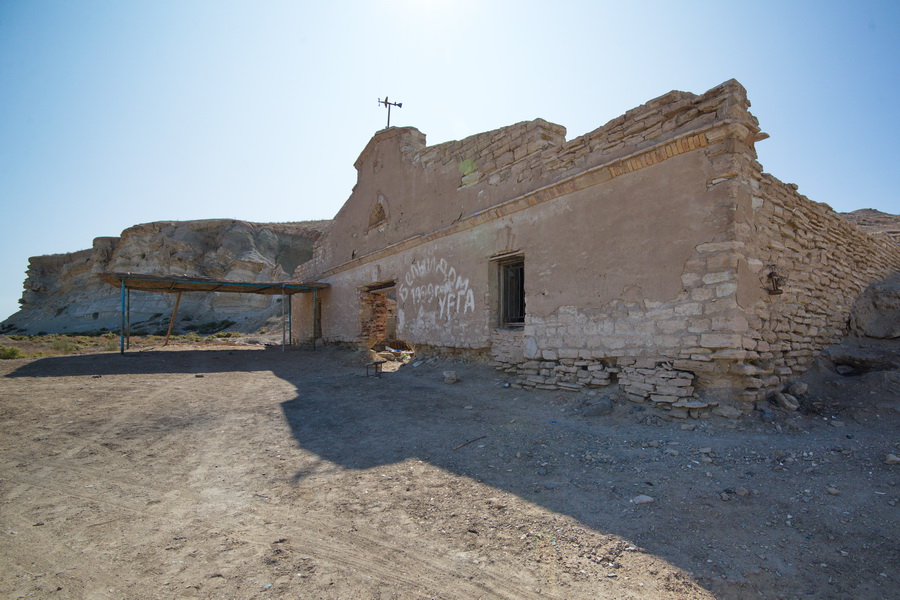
(433, 281)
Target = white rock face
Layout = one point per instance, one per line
(64, 295)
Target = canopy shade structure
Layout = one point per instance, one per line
(177, 284)
(184, 283)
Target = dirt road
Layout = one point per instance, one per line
(249, 473)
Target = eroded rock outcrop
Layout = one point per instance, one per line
(63, 294)
(876, 313)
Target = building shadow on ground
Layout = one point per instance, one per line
(532, 445)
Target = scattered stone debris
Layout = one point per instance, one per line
(785, 401)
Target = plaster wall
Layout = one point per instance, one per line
(613, 255)
(644, 245)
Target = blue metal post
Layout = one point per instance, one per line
(122, 328)
(128, 320)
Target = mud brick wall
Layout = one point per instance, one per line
(376, 309)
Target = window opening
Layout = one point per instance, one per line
(512, 292)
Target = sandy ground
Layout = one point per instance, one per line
(233, 472)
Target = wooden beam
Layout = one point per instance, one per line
(172, 320)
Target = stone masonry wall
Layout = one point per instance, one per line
(671, 115)
(658, 351)
(514, 152)
(537, 148)
(506, 347)
(714, 337)
(717, 335)
(825, 264)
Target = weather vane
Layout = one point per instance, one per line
(389, 105)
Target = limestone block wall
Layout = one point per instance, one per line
(659, 351)
(824, 262)
(506, 348)
(515, 152)
(670, 116)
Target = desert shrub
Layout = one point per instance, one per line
(91, 333)
(18, 337)
(227, 334)
(111, 346)
(7, 352)
(66, 346)
(214, 326)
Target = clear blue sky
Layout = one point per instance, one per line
(116, 112)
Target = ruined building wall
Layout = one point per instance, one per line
(643, 243)
(825, 264)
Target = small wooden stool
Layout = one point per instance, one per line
(377, 367)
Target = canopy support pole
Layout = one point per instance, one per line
(128, 319)
(122, 325)
(172, 320)
(283, 321)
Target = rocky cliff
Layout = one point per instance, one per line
(875, 222)
(63, 294)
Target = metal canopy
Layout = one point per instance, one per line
(179, 284)
(172, 284)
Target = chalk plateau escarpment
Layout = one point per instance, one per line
(64, 295)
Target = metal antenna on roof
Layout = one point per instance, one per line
(389, 105)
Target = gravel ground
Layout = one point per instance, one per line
(242, 472)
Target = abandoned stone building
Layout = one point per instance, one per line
(653, 252)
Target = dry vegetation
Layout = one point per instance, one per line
(37, 346)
